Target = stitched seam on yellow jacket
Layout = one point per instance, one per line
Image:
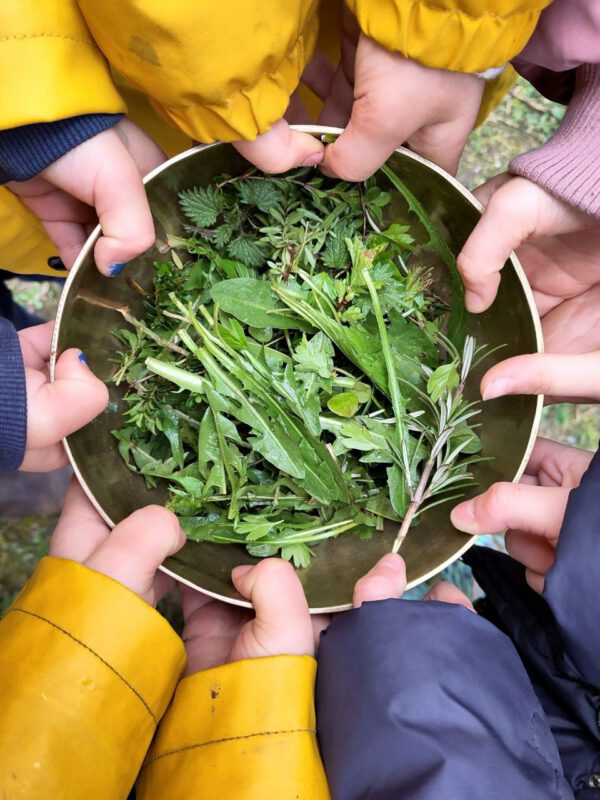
(93, 652)
(460, 13)
(227, 739)
(18, 37)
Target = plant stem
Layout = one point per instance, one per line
(419, 497)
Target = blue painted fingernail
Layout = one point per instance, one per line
(116, 269)
(82, 358)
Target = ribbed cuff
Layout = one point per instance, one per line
(13, 399)
(568, 165)
(26, 151)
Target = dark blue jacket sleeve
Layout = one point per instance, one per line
(13, 399)
(426, 700)
(27, 150)
(572, 584)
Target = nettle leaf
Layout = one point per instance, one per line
(261, 193)
(335, 254)
(247, 251)
(202, 205)
(442, 380)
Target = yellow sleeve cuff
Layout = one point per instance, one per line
(245, 729)
(86, 671)
(456, 35)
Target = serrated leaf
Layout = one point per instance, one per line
(263, 193)
(299, 554)
(201, 205)
(247, 251)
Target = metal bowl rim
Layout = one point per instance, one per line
(317, 130)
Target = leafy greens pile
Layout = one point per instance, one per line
(292, 378)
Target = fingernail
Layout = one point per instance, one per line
(241, 570)
(82, 358)
(474, 302)
(116, 269)
(54, 262)
(498, 388)
(312, 160)
(463, 517)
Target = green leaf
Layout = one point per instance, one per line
(232, 333)
(315, 355)
(170, 424)
(252, 302)
(443, 379)
(208, 443)
(345, 404)
(263, 193)
(247, 251)
(201, 205)
(399, 496)
(335, 254)
(299, 554)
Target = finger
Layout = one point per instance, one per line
(44, 459)
(535, 553)
(556, 464)
(57, 409)
(445, 592)
(68, 238)
(517, 210)
(80, 529)
(102, 173)
(36, 343)
(282, 624)
(575, 376)
(282, 148)
(533, 509)
(384, 581)
(535, 580)
(444, 143)
(137, 547)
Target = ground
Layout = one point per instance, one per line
(521, 122)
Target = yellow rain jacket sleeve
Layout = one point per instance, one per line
(243, 730)
(458, 35)
(87, 670)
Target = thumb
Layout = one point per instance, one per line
(55, 410)
(135, 549)
(282, 625)
(516, 210)
(282, 148)
(385, 581)
(573, 376)
(103, 174)
(445, 592)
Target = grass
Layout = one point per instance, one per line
(523, 121)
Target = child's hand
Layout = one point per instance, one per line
(54, 410)
(532, 510)
(130, 554)
(517, 210)
(217, 633)
(396, 101)
(100, 180)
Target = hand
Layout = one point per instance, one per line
(130, 554)
(100, 180)
(517, 211)
(532, 510)
(54, 410)
(396, 101)
(217, 633)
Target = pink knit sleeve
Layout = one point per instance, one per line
(568, 165)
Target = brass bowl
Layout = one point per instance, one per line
(86, 317)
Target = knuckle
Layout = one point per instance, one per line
(498, 499)
(274, 568)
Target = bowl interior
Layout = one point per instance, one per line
(87, 316)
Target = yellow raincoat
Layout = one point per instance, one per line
(87, 672)
(209, 70)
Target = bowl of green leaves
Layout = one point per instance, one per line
(293, 372)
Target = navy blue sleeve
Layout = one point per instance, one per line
(572, 584)
(27, 150)
(424, 700)
(13, 399)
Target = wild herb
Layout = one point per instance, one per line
(292, 378)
